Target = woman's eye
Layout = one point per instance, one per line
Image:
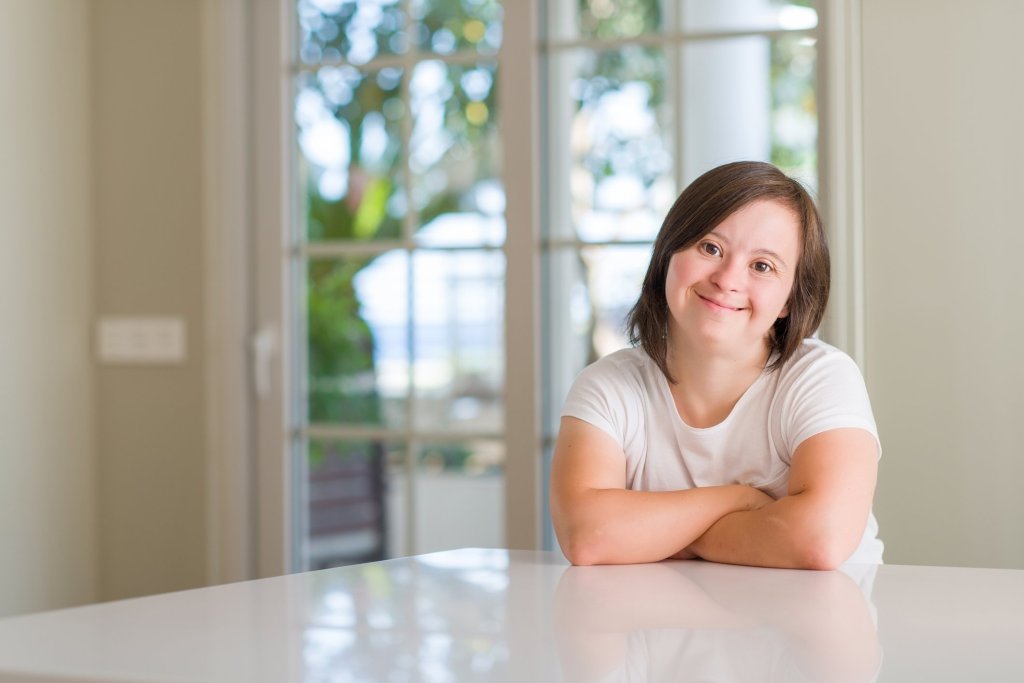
(710, 249)
(762, 267)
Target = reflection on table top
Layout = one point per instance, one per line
(496, 615)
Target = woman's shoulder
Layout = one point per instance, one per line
(819, 388)
(627, 369)
(609, 394)
(818, 365)
(628, 361)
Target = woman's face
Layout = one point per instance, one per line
(727, 290)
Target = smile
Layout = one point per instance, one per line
(717, 306)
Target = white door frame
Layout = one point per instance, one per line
(841, 187)
(245, 189)
(226, 210)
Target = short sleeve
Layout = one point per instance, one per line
(606, 397)
(824, 391)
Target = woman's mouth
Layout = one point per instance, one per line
(714, 305)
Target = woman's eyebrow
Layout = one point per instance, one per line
(772, 254)
(764, 252)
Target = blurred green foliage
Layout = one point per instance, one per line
(793, 71)
(342, 383)
(610, 19)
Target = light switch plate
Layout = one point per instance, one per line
(141, 340)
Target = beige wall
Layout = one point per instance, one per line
(944, 176)
(47, 444)
(102, 468)
(149, 261)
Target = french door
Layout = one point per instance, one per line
(454, 202)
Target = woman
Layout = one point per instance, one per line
(728, 433)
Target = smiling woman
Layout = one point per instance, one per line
(729, 433)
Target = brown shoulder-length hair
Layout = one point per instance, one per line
(708, 201)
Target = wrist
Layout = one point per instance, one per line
(747, 498)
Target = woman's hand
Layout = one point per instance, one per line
(757, 498)
(753, 499)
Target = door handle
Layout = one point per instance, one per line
(264, 346)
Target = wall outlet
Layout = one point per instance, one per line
(141, 340)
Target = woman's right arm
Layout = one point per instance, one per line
(598, 521)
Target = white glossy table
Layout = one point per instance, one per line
(494, 615)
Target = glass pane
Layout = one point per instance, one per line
(613, 276)
(610, 145)
(348, 502)
(604, 19)
(447, 26)
(349, 135)
(355, 31)
(460, 495)
(795, 108)
(748, 15)
(568, 326)
(357, 327)
(458, 339)
(589, 294)
(750, 98)
(727, 103)
(455, 155)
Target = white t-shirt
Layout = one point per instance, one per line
(819, 388)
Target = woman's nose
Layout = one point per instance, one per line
(728, 276)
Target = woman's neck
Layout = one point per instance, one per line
(710, 382)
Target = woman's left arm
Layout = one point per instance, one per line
(819, 523)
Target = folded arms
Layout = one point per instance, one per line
(816, 526)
